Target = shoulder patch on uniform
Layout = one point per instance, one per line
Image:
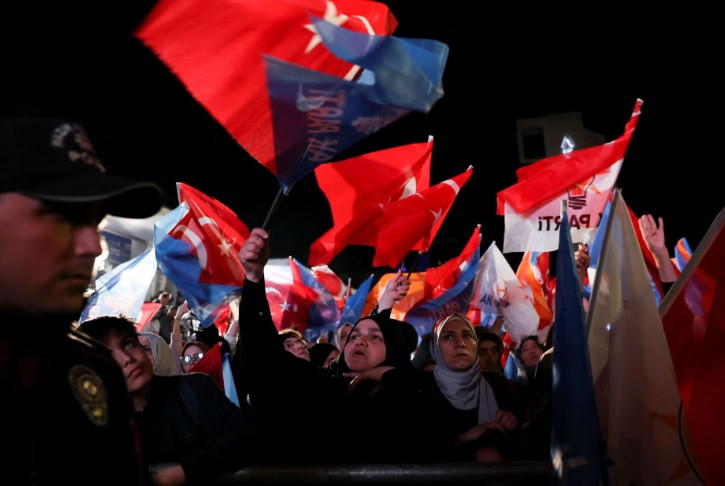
(90, 392)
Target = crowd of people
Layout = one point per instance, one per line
(134, 409)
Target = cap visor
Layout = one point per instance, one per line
(121, 197)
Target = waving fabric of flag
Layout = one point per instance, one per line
(147, 312)
(439, 279)
(638, 402)
(214, 224)
(123, 289)
(216, 364)
(497, 290)
(330, 280)
(683, 252)
(534, 272)
(451, 287)
(492, 266)
(215, 48)
(197, 246)
(355, 303)
(693, 316)
(356, 188)
(595, 248)
(402, 224)
(288, 303)
(576, 441)
(585, 178)
(315, 116)
(323, 312)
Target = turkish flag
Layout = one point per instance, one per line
(358, 187)
(211, 364)
(441, 278)
(403, 224)
(197, 247)
(585, 178)
(216, 49)
(330, 280)
(288, 307)
(693, 317)
(216, 235)
(148, 311)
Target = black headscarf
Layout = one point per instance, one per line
(319, 353)
(397, 343)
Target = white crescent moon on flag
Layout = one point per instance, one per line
(453, 185)
(195, 240)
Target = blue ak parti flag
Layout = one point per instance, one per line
(316, 116)
(576, 441)
(122, 291)
(355, 303)
(351, 312)
(595, 248)
(456, 299)
(683, 253)
(323, 311)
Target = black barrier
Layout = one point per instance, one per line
(505, 473)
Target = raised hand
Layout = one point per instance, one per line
(255, 254)
(653, 234)
(396, 289)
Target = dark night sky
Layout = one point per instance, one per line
(80, 61)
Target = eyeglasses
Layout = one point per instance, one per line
(191, 358)
(290, 344)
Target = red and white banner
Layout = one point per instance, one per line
(585, 178)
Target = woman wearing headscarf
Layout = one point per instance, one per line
(462, 404)
(340, 337)
(322, 354)
(160, 354)
(365, 390)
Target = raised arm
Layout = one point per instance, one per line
(654, 238)
(582, 259)
(176, 343)
(255, 254)
(396, 289)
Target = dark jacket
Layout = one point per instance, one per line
(67, 415)
(445, 423)
(197, 426)
(381, 421)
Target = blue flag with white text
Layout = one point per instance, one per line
(315, 116)
(122, 291)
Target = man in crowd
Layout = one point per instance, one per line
(68, 415)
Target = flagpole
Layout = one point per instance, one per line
(415, 263)
(283, 192)
(273, 209)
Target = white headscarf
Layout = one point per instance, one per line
(467, 389)
(163, 359)
(336, 340)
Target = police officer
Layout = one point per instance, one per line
(67, 416)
